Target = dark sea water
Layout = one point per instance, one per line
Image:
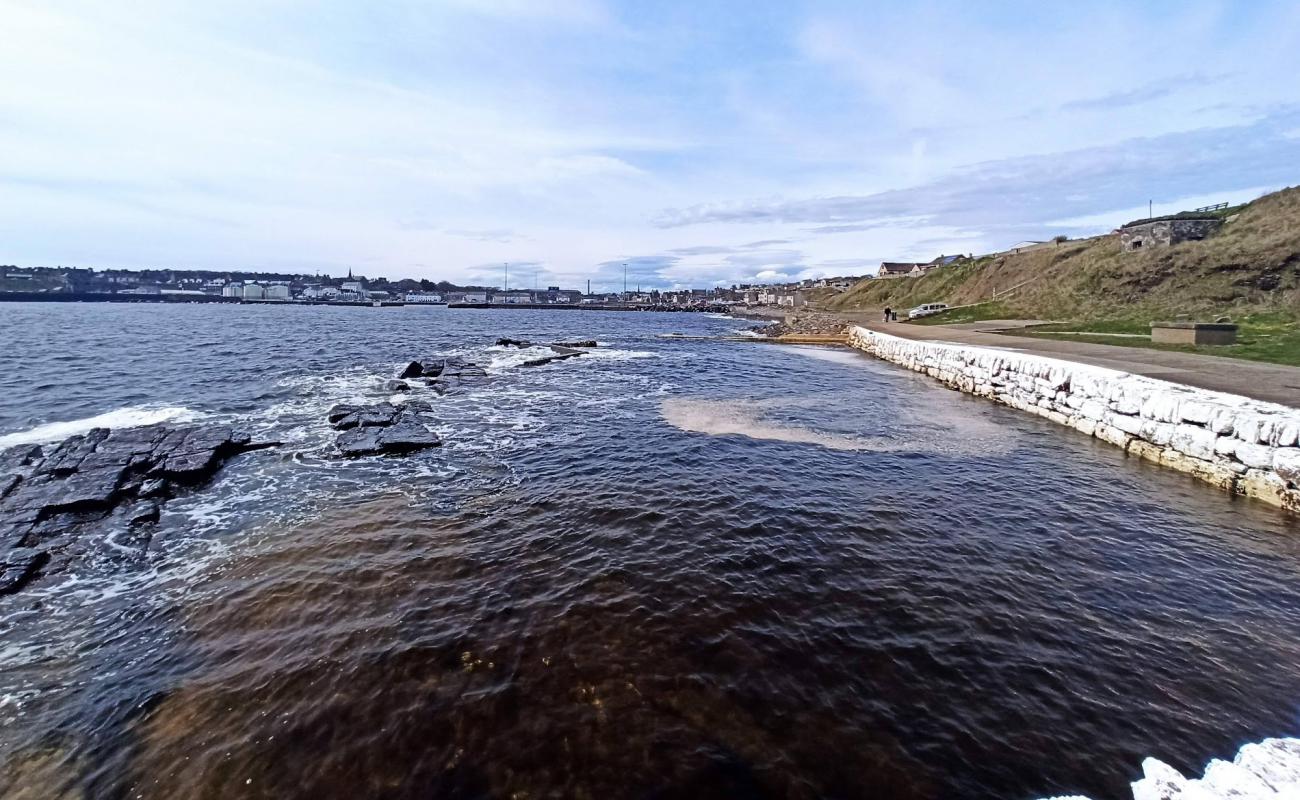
(673, 568)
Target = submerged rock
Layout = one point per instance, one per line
(397, 386)
(583, 343)
(514, 343)
(561, 353)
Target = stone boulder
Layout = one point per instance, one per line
(583, 343)
(412, 370)
(514, 343)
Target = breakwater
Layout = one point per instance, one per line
(1240, 445)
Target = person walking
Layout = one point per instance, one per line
(889, 313)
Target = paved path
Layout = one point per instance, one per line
(1272, 382)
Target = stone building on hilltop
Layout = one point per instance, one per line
(1165, 231)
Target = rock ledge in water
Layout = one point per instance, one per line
(49, 501)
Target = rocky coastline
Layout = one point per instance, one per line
(104, 490)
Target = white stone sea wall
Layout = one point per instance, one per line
(1240, 445)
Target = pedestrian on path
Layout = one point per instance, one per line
(889, 312)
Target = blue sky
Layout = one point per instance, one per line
(700, 143)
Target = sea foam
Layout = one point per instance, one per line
(129, 417)
(1267, 770)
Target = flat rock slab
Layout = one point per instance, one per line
(52, 499)
(406, 435)
(347, 417)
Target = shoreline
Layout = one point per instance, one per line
(1242, 446)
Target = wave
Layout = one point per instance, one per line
(1267, 770)
(128, 417)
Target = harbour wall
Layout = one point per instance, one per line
(1243, 446)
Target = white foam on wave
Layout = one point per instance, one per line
(614, 354)
(128, 417)
(1267, 770)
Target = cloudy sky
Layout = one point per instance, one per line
(699, 143)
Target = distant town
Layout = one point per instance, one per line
(129, 285)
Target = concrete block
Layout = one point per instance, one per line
(1255, 456)
(1286, 463)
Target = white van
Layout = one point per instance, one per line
(926, 310)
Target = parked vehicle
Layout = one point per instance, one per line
(926, 310)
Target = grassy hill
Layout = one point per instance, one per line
(1250, 268)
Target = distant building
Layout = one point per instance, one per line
(1026, 246)
(232, 290)
(277, 291)
(421, 297)
(253, 291)
(899, 269)
(512, 297)
(1165, 232)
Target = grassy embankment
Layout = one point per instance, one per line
(1249, 272)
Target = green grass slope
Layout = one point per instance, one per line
(1251, 267)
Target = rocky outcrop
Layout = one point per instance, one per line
(412, 370)
(505, 342)
(49, 500)
(406, 435)
(381, 429)
(561, 353)
(806, 323)
(1240, 445)
(583, 343)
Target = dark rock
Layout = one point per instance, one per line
(514, 343)
(85, 491)
(340, 411)
(397, 386)
(15, 458)
(81, 481)
(537, 362)
(144, 512)
(21, 567)
(405, 436)
(7, 484)
(418, 407)
(375, 416)
(154, 487)
(413, 370)
(583, 343)
(432, 369)
(68, 455)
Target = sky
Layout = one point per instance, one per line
(698, 143)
